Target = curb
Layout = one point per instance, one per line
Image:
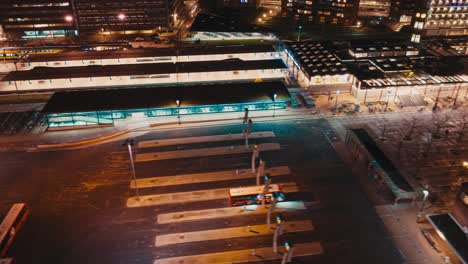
(84, 142)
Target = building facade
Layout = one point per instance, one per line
(342, 12)
(237, 4)
(402, 10)
(440, 18)
(37, 18)
(374, 8)
(58, 18)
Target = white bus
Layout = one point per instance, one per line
(252, 194)
(11, 224)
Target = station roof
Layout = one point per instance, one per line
(46, 73)
(165, 96)
(150, 52)
(316, 59)
(212, 23)
(387, 165)
(381, 46)
(414, 80)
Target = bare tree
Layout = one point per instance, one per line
(439, 121)
(412, 123)
(383, 129)
(464, 120)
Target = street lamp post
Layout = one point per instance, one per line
(255, 154)
(299, 34)
(178, 111)
(122, 18)
(336, 100)
(129, 142)
(271, 209)
(425, 195)
(388, 99)
(274, 104)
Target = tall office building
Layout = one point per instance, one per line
(342, 12)
(37, 18)
(237, 4)
(401, 11)
(45, 18)
(440, 18)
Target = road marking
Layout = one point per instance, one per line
(244, 256)
(202, 139)
(205, 177)
(231, 232)
(226, 212)
(203, 152)
(194, 196)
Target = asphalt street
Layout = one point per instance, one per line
(78, 213)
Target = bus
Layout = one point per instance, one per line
(11, 224)
(252, 194)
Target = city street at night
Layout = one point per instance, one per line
(78, 200)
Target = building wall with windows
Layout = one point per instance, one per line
(374, 8)
(57, 18)
(37, 18)
(125, 14)
(237, 4)
(342, 12)
(440, 18)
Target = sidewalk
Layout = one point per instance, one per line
(226, 212)
(231, 232)
(187, 197)
(400, 222)
(205, 177)
(203, 152)
(245, 256)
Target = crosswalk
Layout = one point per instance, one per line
(204, 230)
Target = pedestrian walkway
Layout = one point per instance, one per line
(244, 256)
(400, 222)
(231, 232)
(203, 152)
(202, 139)
(194, 196)
(205, 177)
(227, 212)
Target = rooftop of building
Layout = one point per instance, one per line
(165, 96)
(150, 52)
(316, 59)
(46, 73)
(212, 23)
(381, 46)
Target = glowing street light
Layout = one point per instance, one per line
(121, 16)
(425, 195)
(465, 164)
(264, 15)
(299, 34)
(259, 19)
(68, 18)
